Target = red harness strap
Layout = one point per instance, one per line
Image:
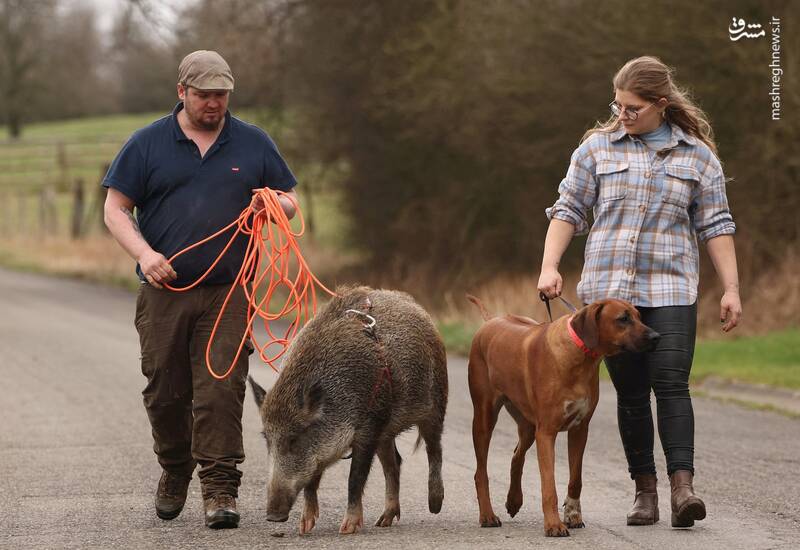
(385, 375)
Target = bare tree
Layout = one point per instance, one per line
(73, 79)
(21, 50)
(144, 66)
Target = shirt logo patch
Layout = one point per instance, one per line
(235, 169)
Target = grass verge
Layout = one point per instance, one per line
(772, 359)
(752, 405)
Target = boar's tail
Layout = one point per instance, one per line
(484, 313)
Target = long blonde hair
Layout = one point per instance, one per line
(649, 78)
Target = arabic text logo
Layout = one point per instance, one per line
(739, 29)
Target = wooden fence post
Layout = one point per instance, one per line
(5, 213)
(63, 166)
(77, 208)
(95, 212)
(22, 212)
(48, 217)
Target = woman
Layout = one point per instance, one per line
(655, 184)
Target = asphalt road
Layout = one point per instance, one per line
(77, 468)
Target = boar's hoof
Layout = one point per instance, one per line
(307, 524)
(387, 518)
(351, 524)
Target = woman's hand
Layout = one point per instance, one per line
(723, 256)
(550, 282)
(730, 310)
(559, 233)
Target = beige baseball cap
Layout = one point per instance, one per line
(205, 70)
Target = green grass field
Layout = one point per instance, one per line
(57, 153)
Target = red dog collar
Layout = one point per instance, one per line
(578, 342)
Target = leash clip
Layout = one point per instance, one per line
(546, 301)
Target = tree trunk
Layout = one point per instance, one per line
(14, 125)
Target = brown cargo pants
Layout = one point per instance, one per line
(195, 418)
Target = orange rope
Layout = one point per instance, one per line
(278, 246)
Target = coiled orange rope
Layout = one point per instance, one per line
(277, 247)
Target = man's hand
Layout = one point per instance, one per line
(550, 282)
(730, 310)
(258, 203)
(286, 203)
(156, 269)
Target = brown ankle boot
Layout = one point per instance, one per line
(171, 494)
(686, 506)
(645, 504)
(221, 512)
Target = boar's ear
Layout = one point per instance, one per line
(258, 392)
(313, 397)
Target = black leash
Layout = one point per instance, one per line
(546, 301)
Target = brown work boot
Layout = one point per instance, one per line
(686, 506)
(171, 494)
(221, 512)
(645, 503)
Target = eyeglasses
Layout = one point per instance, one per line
(633, 114)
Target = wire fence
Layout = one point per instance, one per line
(50, 187)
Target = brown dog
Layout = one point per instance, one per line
(546, 376)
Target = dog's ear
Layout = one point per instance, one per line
(587, 324)
(258, 392)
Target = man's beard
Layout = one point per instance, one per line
(200, 122)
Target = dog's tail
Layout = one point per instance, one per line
(484, 313)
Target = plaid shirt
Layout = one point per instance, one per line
(648, 208)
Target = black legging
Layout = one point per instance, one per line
(666, 371)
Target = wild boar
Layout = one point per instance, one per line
(369, 366)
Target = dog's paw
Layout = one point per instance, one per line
(576, 524)
(435, 495)
(491, 521)
(556, 530)
(572, 513)
(513, 504)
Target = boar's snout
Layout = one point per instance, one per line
(279, 504)
(278, 510)
(277, 516)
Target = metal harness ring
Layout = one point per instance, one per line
(371, 320)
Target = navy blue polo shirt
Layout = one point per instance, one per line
(182, 198)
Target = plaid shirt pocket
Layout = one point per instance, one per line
(679, 184)
(612, 178)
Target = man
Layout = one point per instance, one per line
(188, 175)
